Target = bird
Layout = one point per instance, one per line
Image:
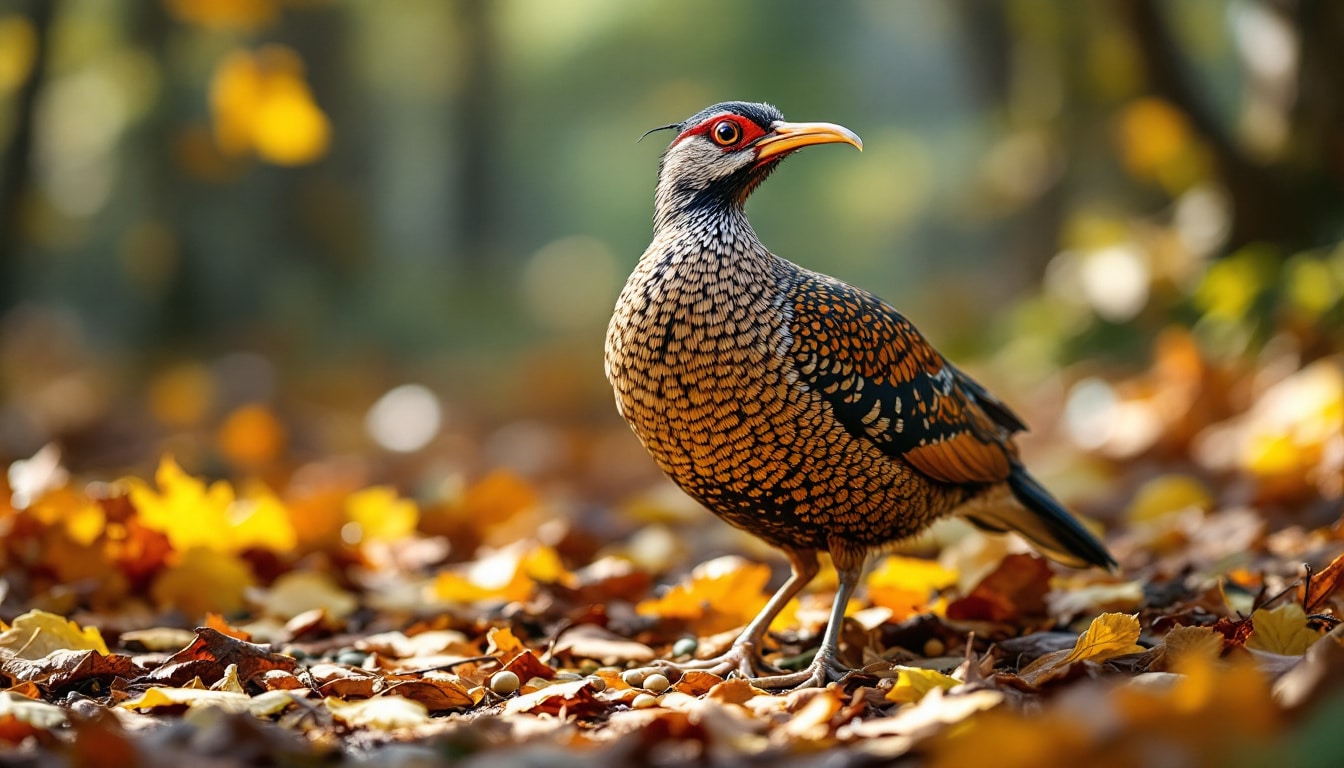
(794, 406)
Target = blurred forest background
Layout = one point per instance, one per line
(386, 237)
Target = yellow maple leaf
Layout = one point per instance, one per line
(913, 682)
(381, 514)
(1283, 630)
(193, 514)
(35, 634)
(1108, 636)
(203, 581)
(184, 509)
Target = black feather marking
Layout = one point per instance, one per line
(1063, 527)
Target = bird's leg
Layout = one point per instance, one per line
(825, 667)
(744, 656)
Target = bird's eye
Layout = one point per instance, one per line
(726, 133)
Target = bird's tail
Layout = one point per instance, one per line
(1043, 521)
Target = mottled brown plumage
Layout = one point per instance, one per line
(796, 407)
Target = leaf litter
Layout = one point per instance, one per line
(179, 619)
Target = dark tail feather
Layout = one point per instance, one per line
(1044, 522)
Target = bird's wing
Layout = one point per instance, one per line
(887, 384)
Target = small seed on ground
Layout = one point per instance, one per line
(633, 677)
(657, 683)
(596, 683)
(644, 701)
(504, 683)
(934, 647)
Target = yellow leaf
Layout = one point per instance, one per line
(1164, 495)
(159, 697)
(907, 584)
(1108, 636)
(260, 521)
(302, 591)
(385, 713)
(184, 509)
(381, 514)
(1283, 630)
(720, 595)
(192, 514)
(912, 683)
(203, 581)
(509, 574)
(35, 634)
(1184, 645)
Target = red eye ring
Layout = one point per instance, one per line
(726, 133)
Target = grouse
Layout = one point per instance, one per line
(794, 406)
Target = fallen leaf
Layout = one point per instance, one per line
(1184, 644)
(1016, 588)
(36, 633)
(435, 695)
(211, 653)
(22, 717)
(721, 594)
(204, 581)
(384, 713)
(1108, 636)
(575, 697)
(161, 697)
(298, 592)
(913, 683)
(589, 641)
(1282, 630)
(907, 584)
(62, 670)
(381, 514)
(1324, 583)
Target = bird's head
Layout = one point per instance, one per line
(722, 153)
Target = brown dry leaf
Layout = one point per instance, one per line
(1016, 588)
(589, 641)
(211, 653)
(696, 682)
(61, 670)
(343, 682)
(36, 633)
(384, 713)
(811, 724)
(575, 697)
(735, 691)
(1324, 583)
(1282, 630)
(527, 666)
(217, 623)
(722, 594)
(435, 695)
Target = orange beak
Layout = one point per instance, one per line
(786, 137)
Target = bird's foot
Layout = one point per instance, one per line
(741, 659)
(821, 672)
